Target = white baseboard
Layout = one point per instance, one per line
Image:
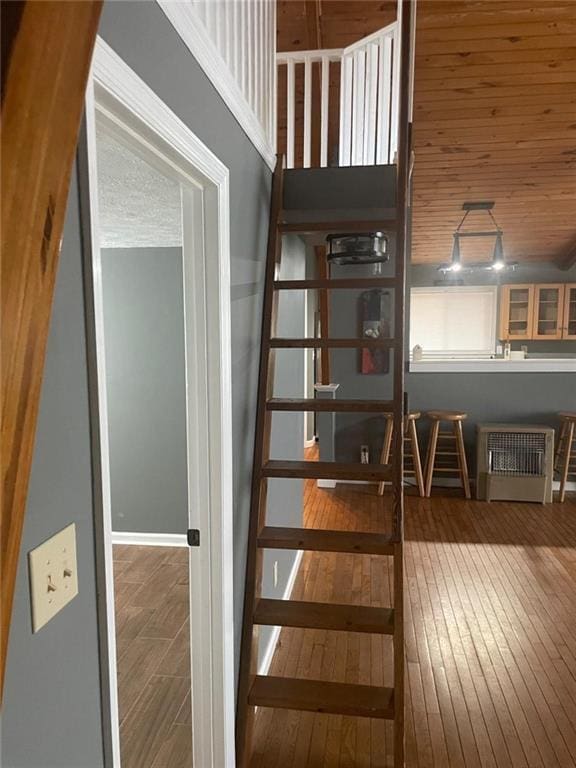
(442, 482)
(150, 539)
(454, 482)
(326, 483)
(571, 486)
(268, 655)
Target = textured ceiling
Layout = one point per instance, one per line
(139, 206)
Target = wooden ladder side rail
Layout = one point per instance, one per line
(249, 642)
(402, 249)
(324, 310)
(46, 54)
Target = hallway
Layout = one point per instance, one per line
(490, 596)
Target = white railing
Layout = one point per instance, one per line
(307, 58)
(234, 42)
(368, 111)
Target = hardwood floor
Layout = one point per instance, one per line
(153, 648)
(490, 637)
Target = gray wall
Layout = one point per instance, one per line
(528, 397)
(146, 388)
(51, 711)
(51, 715)
(145, 39)
(285, 497)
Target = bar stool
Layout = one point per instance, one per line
(565, 461)
(412, 453)
(455, 418)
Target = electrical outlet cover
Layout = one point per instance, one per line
(53, 576)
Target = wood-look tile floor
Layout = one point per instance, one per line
(153, 654)
(490, 637)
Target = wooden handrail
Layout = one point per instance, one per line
(46, 54)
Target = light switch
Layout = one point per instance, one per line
(53, 576)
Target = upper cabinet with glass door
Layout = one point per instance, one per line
(516, 312)
(548, 311)
(569, 322)
(538, 312)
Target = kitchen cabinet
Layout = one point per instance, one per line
(569, 321)
(516, 312)
(538, 312)
(548, 311)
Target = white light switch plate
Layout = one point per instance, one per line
(53, 576)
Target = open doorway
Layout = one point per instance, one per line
(140, 202)
(159, 282)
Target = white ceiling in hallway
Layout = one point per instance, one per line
(139, 206)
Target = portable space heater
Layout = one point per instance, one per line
(514, 462)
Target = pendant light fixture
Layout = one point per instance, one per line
(498, 263)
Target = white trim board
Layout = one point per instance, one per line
(118, 91)
(268, 655)
(135, 538)
(441, 482)
(185, 21)
(530, 365)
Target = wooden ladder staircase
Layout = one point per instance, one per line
(305, 694)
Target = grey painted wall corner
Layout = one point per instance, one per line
(51, 711)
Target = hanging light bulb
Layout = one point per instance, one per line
(498, 262)
(456, 264)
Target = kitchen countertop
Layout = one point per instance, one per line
(530, 365)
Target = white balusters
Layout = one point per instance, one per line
(307, 145)
(370, 106)
(324, 114)
(373, 107)
(290, 114)
(384, 96)
(243, 32)
(312, 112)
(368, 100)
(346, 109)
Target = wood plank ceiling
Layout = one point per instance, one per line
(494, 113)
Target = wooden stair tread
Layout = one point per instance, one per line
(345, 618)
(319, 696)
(344, 282)
(340, 225)
(326, 470)
(319, 540)
(313, 404)
(317, 343)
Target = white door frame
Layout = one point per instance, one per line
(208, 380)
